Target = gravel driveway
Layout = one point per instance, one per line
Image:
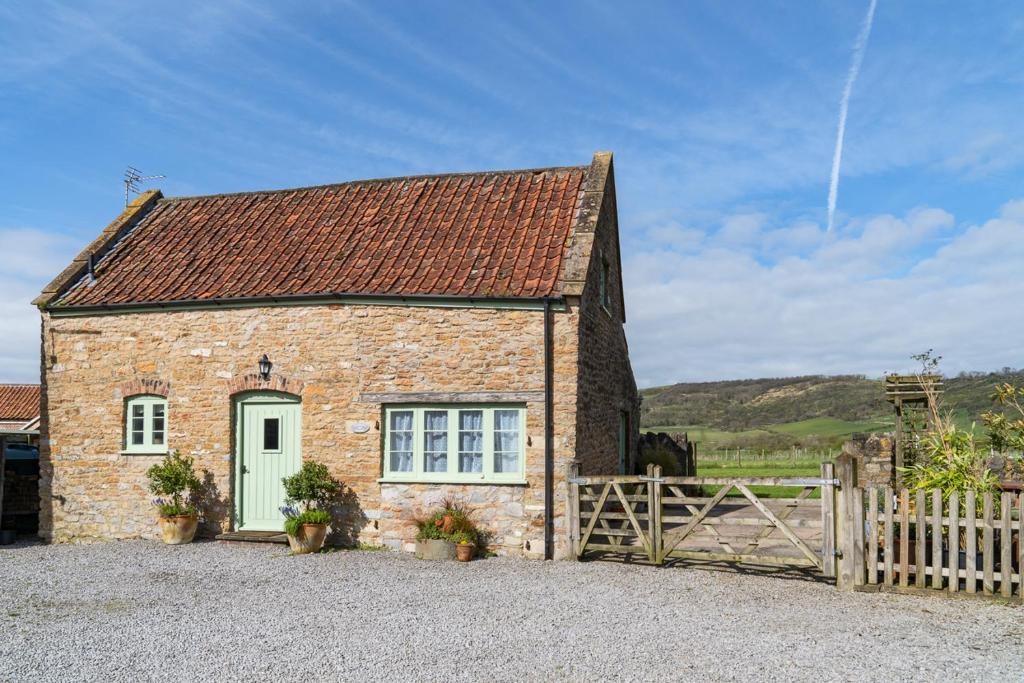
(134, 611)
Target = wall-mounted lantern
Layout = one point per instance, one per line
(265, 366)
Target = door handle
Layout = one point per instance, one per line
(245, 470)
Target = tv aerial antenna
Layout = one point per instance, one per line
(132, 178)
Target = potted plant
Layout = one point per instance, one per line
(465, 546)
(175, 484)
(308, 494)
(439, 533)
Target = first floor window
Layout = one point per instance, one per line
(454, 443)
(146, 428)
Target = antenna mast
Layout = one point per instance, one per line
(132, 178)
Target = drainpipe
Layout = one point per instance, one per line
(549, 440)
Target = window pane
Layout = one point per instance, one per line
(400, 438)
(158, 424)
(506, 440)
(138, 424)
(435, 441)
(471, 441)
(271, 434)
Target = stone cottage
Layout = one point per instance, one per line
(456, 335)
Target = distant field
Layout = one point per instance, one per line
(827, 426)
(824, 427)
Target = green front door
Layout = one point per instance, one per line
(269, 439)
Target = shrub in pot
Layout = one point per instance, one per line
(309, 493)
(439, 532)
(175, 484)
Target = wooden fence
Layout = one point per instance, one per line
(867, 539)
(924, 541)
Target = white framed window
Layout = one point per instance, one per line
(145, 429)
(454, 443)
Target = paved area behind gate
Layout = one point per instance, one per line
(143, 611)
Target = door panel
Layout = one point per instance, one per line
(270, 449)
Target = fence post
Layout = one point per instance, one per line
(574, 507)
(846, 528)
(828, 521)
(654, 513)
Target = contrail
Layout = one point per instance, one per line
(844, 105)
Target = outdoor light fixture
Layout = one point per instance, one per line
(265, 366)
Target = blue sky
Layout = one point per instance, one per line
(722, 118)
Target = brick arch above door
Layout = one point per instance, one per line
(254, 382)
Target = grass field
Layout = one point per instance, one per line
(800, 469)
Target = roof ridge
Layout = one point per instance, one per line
(364, 181)
(19, 384)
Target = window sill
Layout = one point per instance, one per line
(456, 482)
(150, 453)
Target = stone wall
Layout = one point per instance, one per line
(606, 384)
(876, 458)
(331, 354)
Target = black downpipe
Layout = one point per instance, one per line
(549, 440)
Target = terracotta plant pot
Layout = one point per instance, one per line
(179, 529)
(310, 539)
(435, 550)
(464, 552)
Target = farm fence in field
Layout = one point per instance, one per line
(866, 539)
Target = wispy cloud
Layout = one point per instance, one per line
(844, 106)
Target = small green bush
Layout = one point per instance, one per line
(174, 477)
(293, 522)
(311, 487)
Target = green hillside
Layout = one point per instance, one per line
(813, 411)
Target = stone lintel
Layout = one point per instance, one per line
(453, 397)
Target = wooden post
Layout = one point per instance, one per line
(654, 513)
(574, 507)
(846, 536)
(1005, 545)
(828, 521)
(872, 535)
(937, 538)
(920, 535)
(953, 556)
(904, 537)
(988, 553)
(971, 526)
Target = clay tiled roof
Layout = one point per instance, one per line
(488, 235)
(19, 401)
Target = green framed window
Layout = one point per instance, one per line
(455, 443)
(145, 429)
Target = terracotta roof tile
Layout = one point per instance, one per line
(500, 234)
(19, 401)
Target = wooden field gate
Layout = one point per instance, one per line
(874, 538)
(664, 518)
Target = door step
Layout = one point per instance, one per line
(253, 537)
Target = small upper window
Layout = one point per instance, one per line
(146, 424)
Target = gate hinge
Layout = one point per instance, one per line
(577, 480)
(837, 553)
